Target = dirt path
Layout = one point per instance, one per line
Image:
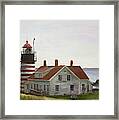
(48, 98)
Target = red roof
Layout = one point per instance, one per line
(42, 69)
(27, 45)
(77, 70)
(52, 72)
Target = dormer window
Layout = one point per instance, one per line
(38, 75)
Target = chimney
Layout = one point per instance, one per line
(56, 62)
(44, 63)
(71, 63)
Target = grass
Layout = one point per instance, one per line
(86, 96)
(33, 97)
(66, 97)
(89, 96)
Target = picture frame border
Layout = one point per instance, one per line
(49, 2)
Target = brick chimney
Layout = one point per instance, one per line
(44, 63)
(56, 62)
(71, 63)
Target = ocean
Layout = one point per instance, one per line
(93, 73)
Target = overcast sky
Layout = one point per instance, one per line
(65, 40)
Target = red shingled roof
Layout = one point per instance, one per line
(52, 72)
(78, 71)
(42, 69)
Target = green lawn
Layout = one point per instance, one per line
(33, 97)
(89, 96)
(86, 96)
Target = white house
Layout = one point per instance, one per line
(58, 80)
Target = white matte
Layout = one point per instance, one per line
(13, 15)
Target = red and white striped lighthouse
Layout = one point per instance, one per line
(28, 60)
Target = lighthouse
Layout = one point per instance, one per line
(28, 59)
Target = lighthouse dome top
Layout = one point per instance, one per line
(27, 45)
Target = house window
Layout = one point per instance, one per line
(68, 77)
(87, 87)
(36, 86)
(56, 87)
(37, 75)
(40, 75)
(27, 86)
(40, 86)
(83, 88)
(72, 87)
(47, 87)
(44, 87)
(60, 77)
(31, 86)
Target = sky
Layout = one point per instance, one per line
(65, 40)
